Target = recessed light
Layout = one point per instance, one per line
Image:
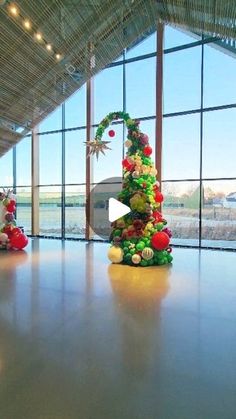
(13, 10)
(38, 36)
(27, 24)
(49, 47)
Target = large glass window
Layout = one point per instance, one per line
(23, 212)
(219, 145)
(181, 143)
(75, 109)
(146, 46)
(75, 151)
(108, 92)
(182, 80)
(50, 158)
(50, 211)
(140, 88)
(219, 213)
(75, 211)
(181, 209)
(23, 162)
(6, 170)
(175, 37)
(52, 122)
(181, 147)
(219, 76)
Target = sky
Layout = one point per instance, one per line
(181, 134)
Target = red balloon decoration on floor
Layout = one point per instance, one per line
(11, 237)
(160, 240)
(18, 240)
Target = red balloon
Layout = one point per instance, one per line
(11, 207)
(147, 151)
(160, 240)
(18, 241)
(159, 197)
(127, 165)
(111, 133)
(16, 230)
(8, 229)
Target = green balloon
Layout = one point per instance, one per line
(159, 226)
(125, 249)
(143, 262)
(127, 257)
(117, 233)
(158, 254)
(132, 251)
(140, 245)
(126, 243)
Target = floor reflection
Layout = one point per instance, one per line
(138, 294)
(10, 259)
(140, 288)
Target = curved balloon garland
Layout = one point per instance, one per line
(140, 238)
(11, 236)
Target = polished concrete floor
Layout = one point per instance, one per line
(82, 339)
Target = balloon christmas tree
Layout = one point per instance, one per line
(140, 238)
(11, 236)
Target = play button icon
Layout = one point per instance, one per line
(104, 207)
(117, 210)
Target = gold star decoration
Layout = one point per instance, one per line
(97, 146)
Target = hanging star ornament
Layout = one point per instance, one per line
(97, 146)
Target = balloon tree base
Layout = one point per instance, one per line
(139, 254)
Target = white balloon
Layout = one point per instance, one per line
(3, 237)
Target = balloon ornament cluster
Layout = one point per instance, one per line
(11, 236)
(140, 238)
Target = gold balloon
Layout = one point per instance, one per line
(115, 254)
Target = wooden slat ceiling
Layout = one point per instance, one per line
(88, 35)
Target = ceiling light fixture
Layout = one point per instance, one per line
(38, 36)
(27, 24)
(13, 10)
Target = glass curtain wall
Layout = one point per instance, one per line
(199, 172)
(199, 121)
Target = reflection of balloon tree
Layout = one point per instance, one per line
(138, 293)
(8, 267)
(11, 237)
